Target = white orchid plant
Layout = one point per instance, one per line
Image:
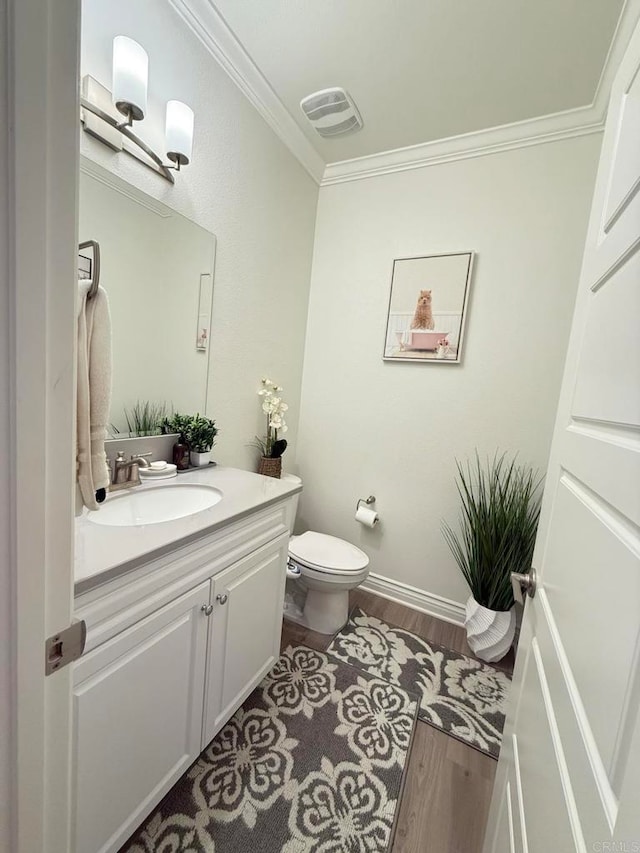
(274, 409)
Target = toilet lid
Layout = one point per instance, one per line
(319, 551)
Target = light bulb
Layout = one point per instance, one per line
(130, 77)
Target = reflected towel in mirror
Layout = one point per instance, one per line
(93, 393)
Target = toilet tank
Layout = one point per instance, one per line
(291, 478)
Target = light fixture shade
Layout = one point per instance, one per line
(179, 132)
(130, 77)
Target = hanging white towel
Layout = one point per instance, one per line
(94, 392)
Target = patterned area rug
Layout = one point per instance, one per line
(464, 698)
(313, 762)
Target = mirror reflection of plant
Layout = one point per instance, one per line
(274, 408)
(200, 433)
(498, 524)
(145, 418)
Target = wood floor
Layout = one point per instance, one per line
(448, 786)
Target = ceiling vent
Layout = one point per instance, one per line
(332, 112)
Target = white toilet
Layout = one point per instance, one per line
(321, 571)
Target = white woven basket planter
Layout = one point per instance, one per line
(490, 633)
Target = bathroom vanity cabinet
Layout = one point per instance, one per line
(174, 646)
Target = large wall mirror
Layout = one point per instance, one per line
(157, 268)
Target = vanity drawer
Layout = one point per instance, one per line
(143, 589)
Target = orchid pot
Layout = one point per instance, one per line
(269, 467)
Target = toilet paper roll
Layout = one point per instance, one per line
(366, 516)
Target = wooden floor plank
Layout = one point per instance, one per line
(445, 802)
(293, 634)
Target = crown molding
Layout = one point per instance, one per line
(206, 22)
(627, 22)
(565, 125)
(210, 27)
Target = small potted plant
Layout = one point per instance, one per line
(176, 424)
(498, 524)
(271, 447)
(200, 434)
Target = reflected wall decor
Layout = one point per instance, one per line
(427, 308)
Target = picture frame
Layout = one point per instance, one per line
(427, 311)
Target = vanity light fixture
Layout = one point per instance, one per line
(102, 111)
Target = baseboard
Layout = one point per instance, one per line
(418, 599)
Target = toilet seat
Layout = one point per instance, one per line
(327, 554)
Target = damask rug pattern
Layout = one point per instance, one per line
(463, 697)
(313, 762)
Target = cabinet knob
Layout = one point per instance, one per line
(207, 609)
(222, 598)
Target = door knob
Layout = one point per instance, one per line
(524, 583)
(207, 609)
(222, 598)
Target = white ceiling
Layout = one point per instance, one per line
(423, 70)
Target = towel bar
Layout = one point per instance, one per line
(95, 277)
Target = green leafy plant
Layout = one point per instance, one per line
(145, 418)
(176, 424)
(200, 433)
(498, 524)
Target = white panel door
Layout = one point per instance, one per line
(40, 79)
(569, 772)
(138, 702)
(246, 625)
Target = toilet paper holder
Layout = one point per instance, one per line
(370, 500)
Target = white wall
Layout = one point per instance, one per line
(6, 641)
(243, 185)
(394, 429)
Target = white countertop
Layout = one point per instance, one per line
(101, 549)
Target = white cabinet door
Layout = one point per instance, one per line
(246, 624)
(138, 720)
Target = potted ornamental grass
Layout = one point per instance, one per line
(200, 434)
(271, 446)
(498, 523)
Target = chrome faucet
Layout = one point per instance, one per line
(126, 475)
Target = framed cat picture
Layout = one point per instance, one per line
(427, 308)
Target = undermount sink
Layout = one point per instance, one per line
(153, 506)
